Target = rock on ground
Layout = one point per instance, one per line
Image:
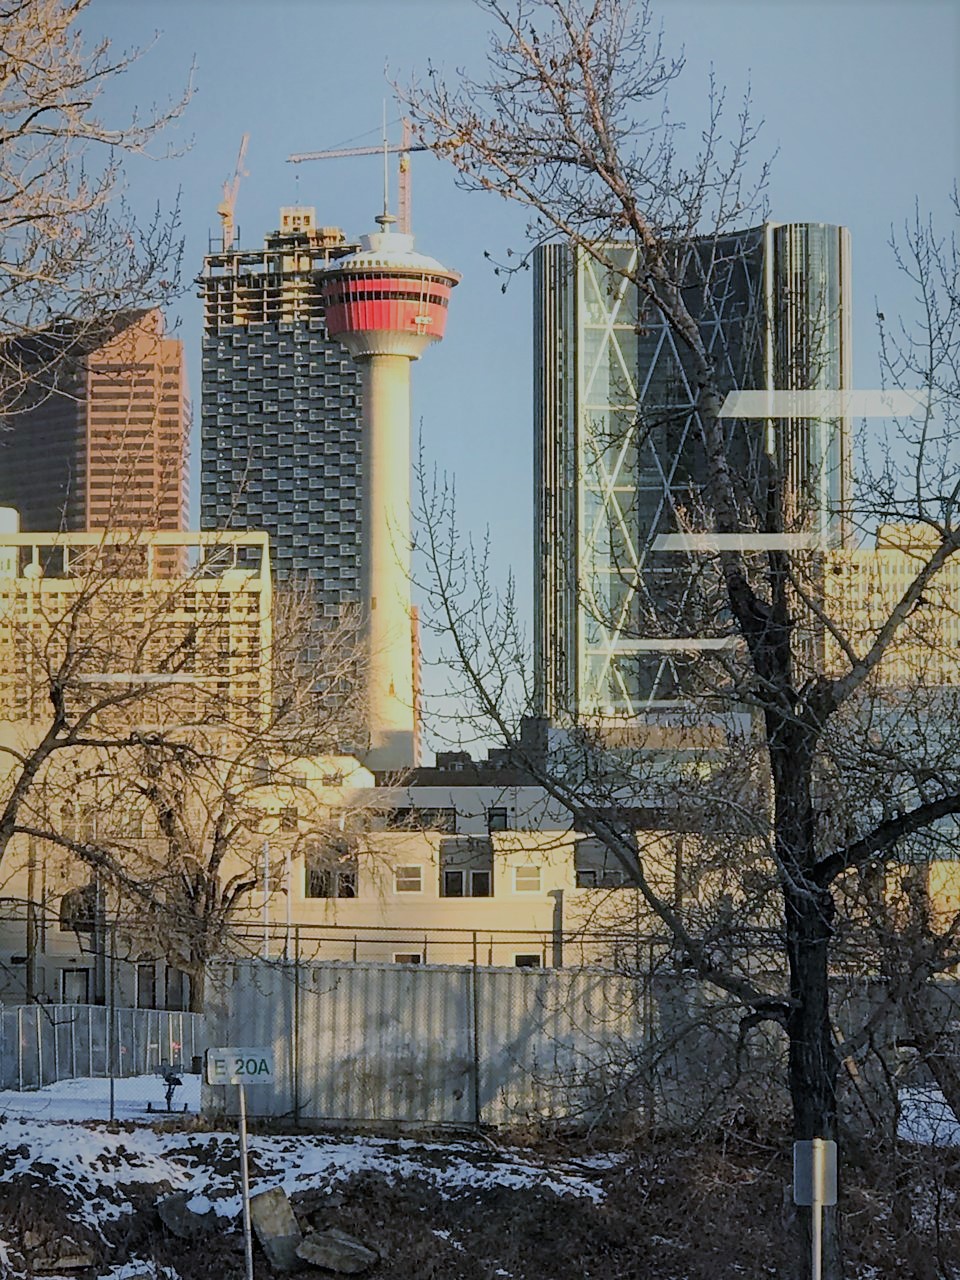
(277, 1228)
(183, 1221)
(337, 1251)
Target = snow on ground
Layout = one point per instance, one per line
(56, 1134)
(89, 1099)
(926, 1118)
(299, 1163)
(136, 1271)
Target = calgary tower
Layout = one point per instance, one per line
(387, 304)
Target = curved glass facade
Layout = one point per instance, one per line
(618, 456)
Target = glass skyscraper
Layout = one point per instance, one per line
(619, 460)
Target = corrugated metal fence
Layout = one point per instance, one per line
(43, 1043)
(453, 1044)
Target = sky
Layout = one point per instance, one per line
(860, 101)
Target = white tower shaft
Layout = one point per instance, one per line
(387, 304)
(385, 561)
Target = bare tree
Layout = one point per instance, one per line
(182, 743)
(571, 124)
(71, 253)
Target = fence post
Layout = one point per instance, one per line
(475, 1000)
(296, 1024)
(112, 1020)
(20, 1047)
(39, 1050)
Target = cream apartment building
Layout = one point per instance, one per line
(338, 869)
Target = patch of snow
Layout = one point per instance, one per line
(296, 1163)
(89, 1099)
(926, 1118)
(97, 1167)
(92, 1164)
(137, 1270)
(445, 1235)
(601, 1160)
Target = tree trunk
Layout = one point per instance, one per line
(808, 919)
(198, 989)
(814, 1064)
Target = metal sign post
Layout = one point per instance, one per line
(245, 1185)
(815, 1185)
(242, 1067)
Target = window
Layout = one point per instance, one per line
(526, 879)
(147, 986)
(481, 884)
(394, 818)
(260, 772)
(460, 883)
(497, 819)
(78, 910)
(346, 883)
(75, 986)
(330, 882)
(408, 880)
(289, 818)
(407, 957)
(444, 820)
(178, 988)
(526, 960)
(68, 821)
(596, 867)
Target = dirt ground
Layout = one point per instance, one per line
(667, 1208)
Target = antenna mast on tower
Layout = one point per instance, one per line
(403, 149)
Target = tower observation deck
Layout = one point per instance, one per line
(387, 304)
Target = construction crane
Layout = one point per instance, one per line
(227, 205)
(403, 149)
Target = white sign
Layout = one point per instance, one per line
(240, 1066)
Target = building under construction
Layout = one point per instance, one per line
(280, 406)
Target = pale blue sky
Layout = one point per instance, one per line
(860, 98)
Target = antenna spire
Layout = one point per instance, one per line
(386, 218)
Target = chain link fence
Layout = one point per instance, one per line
(42, 1044)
